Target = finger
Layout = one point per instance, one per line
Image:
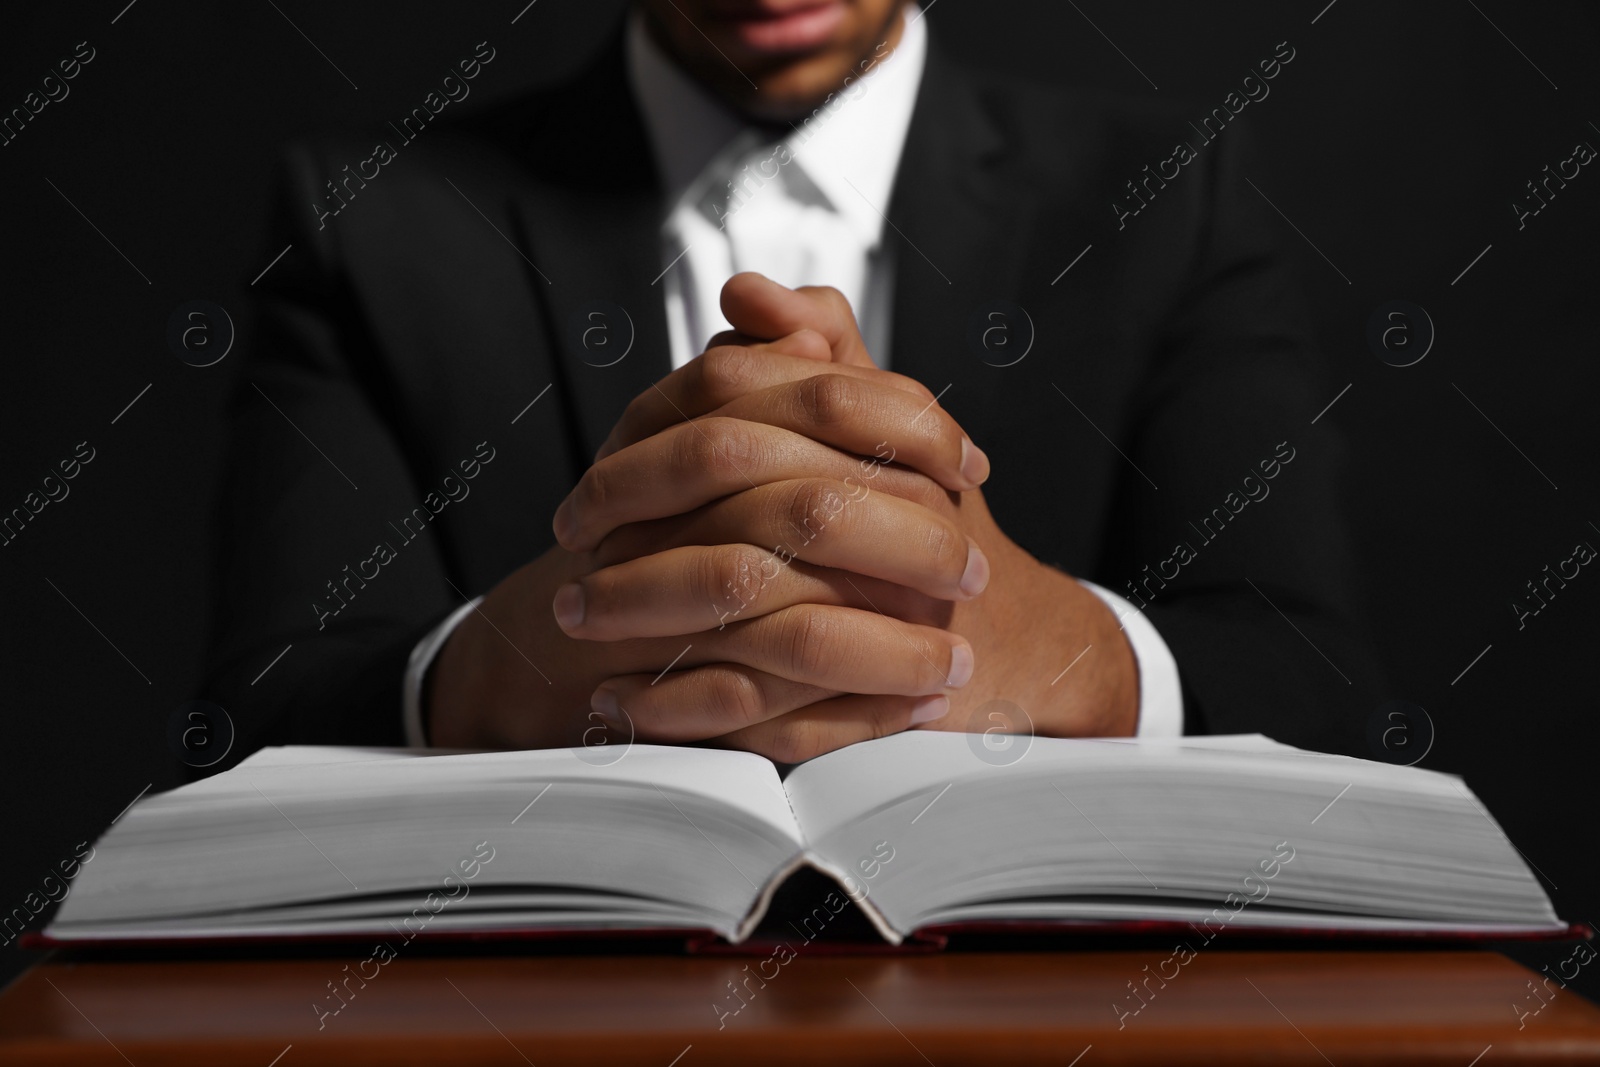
(842, 649)
(689, 465)
(867, 417)
(702, 587)
(830, 724)
(806, 344)
(719, 376)
(760, 307)
(693, 705)
(684, 467)
(828, 523)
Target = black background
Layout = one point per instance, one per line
(1397, 142)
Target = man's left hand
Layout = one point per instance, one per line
(1041, 640)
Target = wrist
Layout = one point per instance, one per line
(1085, 672)
(451, 677)
(486, 688)
(1113, 691)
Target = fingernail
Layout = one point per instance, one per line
(569, 605)
(565, 523)
(928, 709)
(975, 579)
(974, 464)
(604, 703)
(960, 666)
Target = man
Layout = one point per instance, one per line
(478, 505)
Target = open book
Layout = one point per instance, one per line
(924, 831)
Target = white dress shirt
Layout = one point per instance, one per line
(803, 210)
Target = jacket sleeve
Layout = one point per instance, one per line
(1243, 557)
(317, 561)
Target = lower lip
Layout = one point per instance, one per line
(797, 31)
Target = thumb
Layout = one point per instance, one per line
(759, 307)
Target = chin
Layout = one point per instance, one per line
(793, 94)
(795, 52)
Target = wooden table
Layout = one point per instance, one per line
(1223, 1007)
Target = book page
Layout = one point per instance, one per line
(740, 780)
(305, 755)
(832, 790)
(946, 827)
(326, 839)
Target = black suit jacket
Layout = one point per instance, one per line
(406, 335)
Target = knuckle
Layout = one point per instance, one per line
(829, 400)
(727, 371)
(805, 639)
(832, 297)
(724, 447)
(808, 505)
(935, 661)
(694, 449)
(945, 435)
(735, 698)
(947, 547)
(795, 739)
(726, 568)
(796, 503)
(597, 488)
(885, 716)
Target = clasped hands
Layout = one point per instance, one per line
(783, 549)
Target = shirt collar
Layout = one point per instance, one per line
(849, 147)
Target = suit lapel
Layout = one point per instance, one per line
(959, 219)
(591, 220)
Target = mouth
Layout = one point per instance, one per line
(782, 27)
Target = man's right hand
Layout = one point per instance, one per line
(828, 623)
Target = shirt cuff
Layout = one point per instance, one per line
(417, 672)
(1160, 696)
